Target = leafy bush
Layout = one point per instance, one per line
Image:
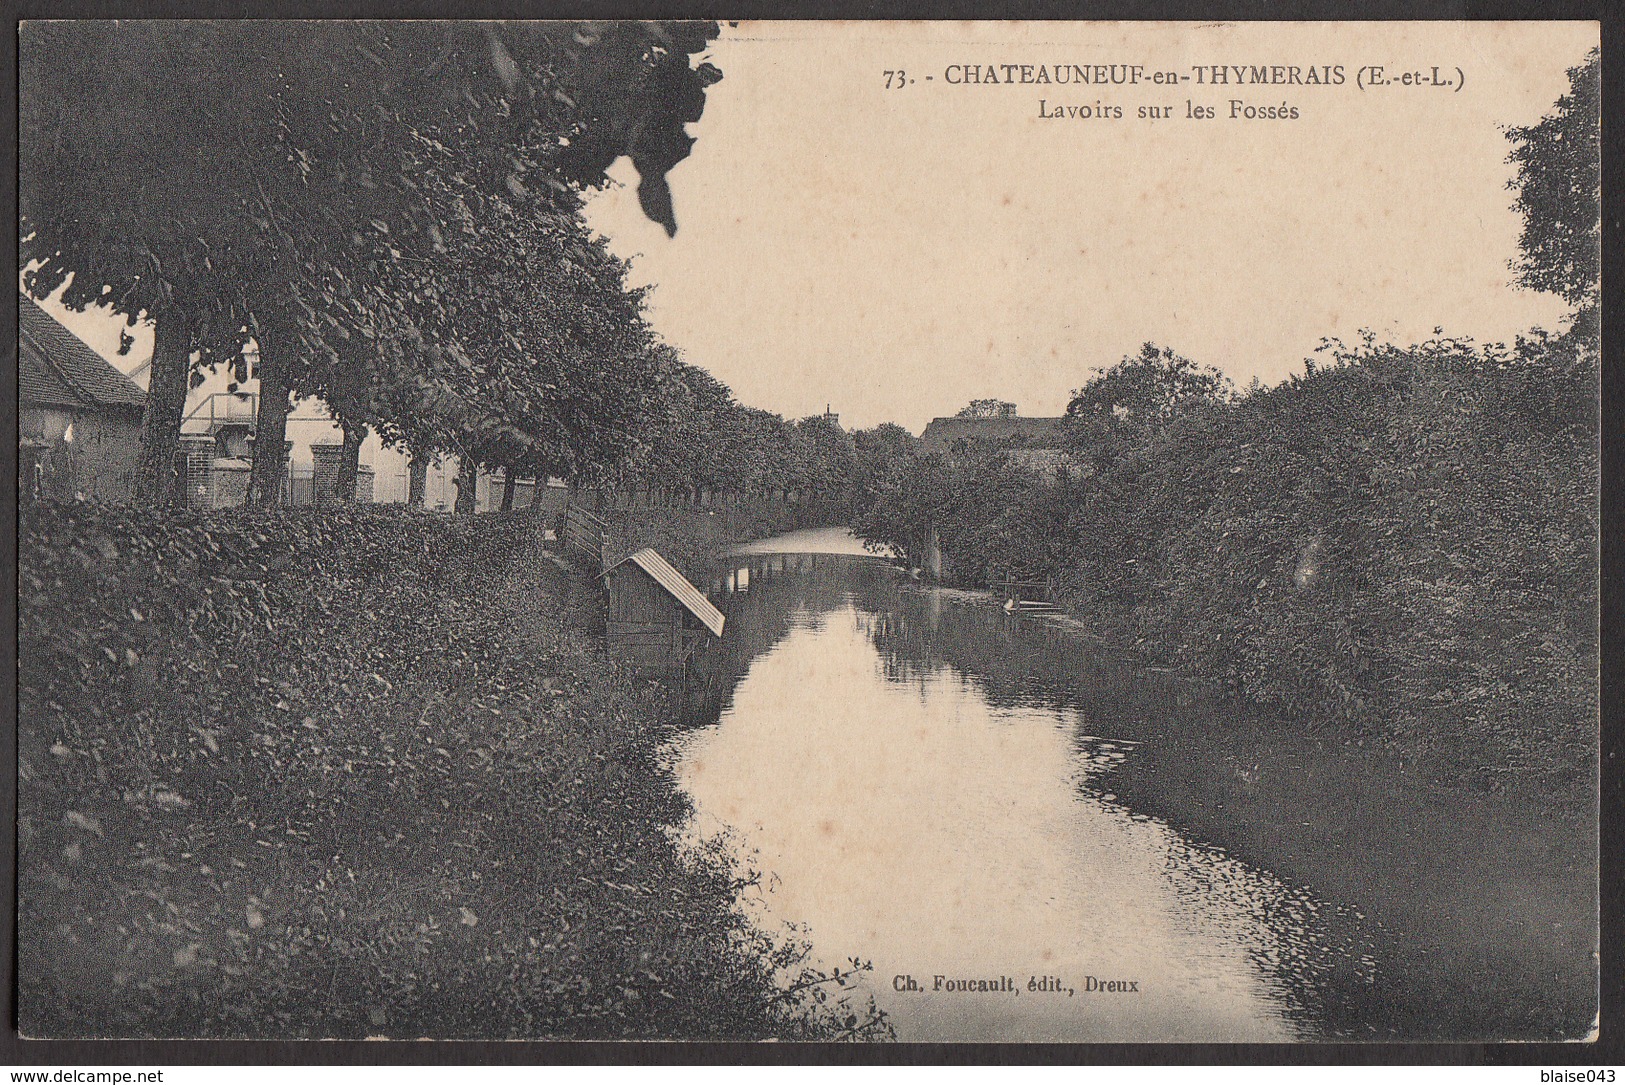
(354, 773)
(1401, 539)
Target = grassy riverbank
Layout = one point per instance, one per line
(351, 774)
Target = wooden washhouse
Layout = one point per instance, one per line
(656, 617)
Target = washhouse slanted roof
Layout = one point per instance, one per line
(677, 585)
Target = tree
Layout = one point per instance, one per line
(417, 478)
(988, 408)
(132, 196)
(545, 366)
(467, 482)
(832, 462)
(780, 457)
(1122, 408)
(1559, 191)
(277, 211)
(881, 451)
(913, 502)
(691, 431)
(350, 462)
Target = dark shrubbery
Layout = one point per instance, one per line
(1404, 540)
(347, 774)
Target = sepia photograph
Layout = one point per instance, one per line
(811, 531)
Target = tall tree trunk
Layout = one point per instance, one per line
(537, 492)
(509, 482)
(155, 481)
(417, 479)
(467, 479)
(271, 424)
(350, 460)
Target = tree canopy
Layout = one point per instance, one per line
(987, 408)
(390, 209)
(1559, 189)
(1139, 398)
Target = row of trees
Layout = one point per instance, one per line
(388, 211)
(702, 440)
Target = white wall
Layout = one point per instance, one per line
(309, 423)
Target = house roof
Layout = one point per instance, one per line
(945, 434)
(675, 583)
(39, 385)
(55, 368)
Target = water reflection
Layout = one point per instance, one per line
(944, 824)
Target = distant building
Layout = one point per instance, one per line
(217, 437)
(78, 418)
(218, 425)
(1036, 442)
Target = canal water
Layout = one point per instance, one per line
(959, 798)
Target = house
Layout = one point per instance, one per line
(218, 424)
(656, 617)
(218, 427)
(79, 418)
(217, 431)
(1036, 443)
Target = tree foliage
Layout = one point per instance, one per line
(362, 198)
(1138, 399)
(987, 408)
(1559, 187)
(879, 451)
(698, 439)
(1402, 538)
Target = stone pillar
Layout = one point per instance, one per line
(285, 476)
(195, 465)
(228, 483)
(324, 478)
(364, 481)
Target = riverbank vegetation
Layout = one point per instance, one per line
(1402, 538)
(348, 774)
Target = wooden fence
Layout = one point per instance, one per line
(1024, 594)
(583, 535)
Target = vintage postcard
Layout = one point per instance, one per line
(864, 531)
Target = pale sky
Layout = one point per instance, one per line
(897, 253)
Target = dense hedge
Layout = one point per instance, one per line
(345, 774)
(1404, 540)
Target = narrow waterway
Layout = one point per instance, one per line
(982, 810)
